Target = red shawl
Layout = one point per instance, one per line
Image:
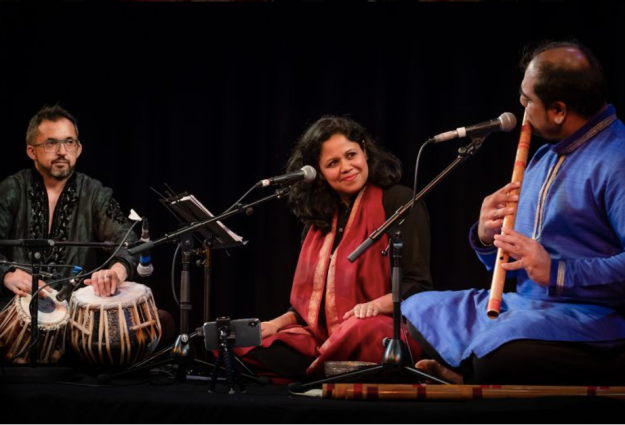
(344, 284)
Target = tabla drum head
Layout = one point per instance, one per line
(50, 311)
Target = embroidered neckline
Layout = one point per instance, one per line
(593, 127)
(563, 148)
(542, 198)
(65, 207)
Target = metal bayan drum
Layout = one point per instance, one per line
(334, 368)
(15, 329)
(119, 330)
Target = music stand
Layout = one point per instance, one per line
(216, 236)
(191, 212)
(181, 350)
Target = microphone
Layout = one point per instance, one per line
(145, 267)
(505, 122)
(69, 287)
(307, 173)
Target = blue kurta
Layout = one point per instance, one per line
(573, 203)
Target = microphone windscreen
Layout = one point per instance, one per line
(508, 121)
(309, 173)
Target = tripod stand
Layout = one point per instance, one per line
(226, 342)
(394, 366)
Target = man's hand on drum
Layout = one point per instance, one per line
(494, 208)
(106, 281)
(20, 283)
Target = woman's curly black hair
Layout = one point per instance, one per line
(315, 203)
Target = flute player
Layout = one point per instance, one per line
(563, 325)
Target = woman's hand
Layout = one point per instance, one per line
(273, 326)
(382, 305)
(268, 328)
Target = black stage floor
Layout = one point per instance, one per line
(161, 399)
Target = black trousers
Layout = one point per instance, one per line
(282, 360)
(533, 362)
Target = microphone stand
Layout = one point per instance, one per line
(181, 352)
(35, 250)
(206, 263)
(464, 153)
(394, 359)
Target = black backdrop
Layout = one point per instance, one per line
(210, 98)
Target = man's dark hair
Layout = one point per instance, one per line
(47, 113)
(582, 88)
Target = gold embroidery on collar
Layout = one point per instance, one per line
(551, 175)
(542, 198)
(544, 190)
(591, 133)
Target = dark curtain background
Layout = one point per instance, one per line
(209, 98)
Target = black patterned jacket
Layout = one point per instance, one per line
(85, 212)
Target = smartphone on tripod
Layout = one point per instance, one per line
(243, 332)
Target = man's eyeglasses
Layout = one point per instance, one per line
(53, 145)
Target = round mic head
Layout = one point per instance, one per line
(508, 121)
(309, 173)
(145, 271)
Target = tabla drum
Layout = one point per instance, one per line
(119, 330)
(15, 329)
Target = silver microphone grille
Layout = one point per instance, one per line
(309, 173)
(508, 121)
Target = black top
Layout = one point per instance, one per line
(85, 212)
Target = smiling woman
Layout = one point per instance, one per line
(341, 150)
(343, 165)
(341, 310)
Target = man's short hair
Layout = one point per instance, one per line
(582, 88)
(47, 113)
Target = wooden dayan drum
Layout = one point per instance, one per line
(119, 330)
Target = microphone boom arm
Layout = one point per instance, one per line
(463, 154)
(170, 237)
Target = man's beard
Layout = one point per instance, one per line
(55, 173)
